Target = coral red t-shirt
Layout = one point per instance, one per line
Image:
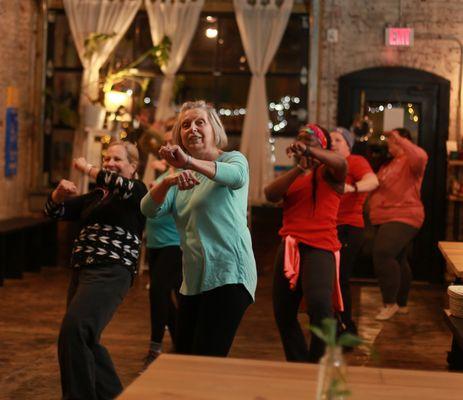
(398, 197)
(351, 207)
(309, 223)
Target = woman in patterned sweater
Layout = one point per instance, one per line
(104, 260)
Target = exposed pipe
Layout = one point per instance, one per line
(314, 61)
(400, 13)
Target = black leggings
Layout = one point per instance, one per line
(207, 322)
(351, 238)
(390, 259)
(315, 284)
(87, 371)
(165, 265)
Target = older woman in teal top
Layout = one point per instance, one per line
(208, 201)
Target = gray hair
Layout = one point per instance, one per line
(220, 136)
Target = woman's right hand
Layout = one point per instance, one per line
(64, 191)
(174, 155)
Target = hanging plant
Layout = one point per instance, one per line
(94, 42)
(160, 56)
(161, 52)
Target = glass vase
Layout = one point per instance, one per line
(332, 375)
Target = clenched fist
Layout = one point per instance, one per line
(81, 164)
(64, 191)
(174, 155)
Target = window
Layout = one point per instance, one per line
(215, 68)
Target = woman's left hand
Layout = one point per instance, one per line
(349, 188)
(81, 164)
(297, 149)
(174, 155)
(186, 180)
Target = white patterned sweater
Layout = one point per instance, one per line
(112, 223)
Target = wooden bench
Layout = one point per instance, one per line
(26, 244)
(455, 325)
(453, 254)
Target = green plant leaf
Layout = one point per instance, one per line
(318, 332)
(94, 41)
(329, 328)
(349, 340)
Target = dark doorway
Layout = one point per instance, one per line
(429, 94)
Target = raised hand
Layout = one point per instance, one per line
(186, 180)
(80, 164)
(174, 155)
(297, 149)
(64, 191)
(392, 136)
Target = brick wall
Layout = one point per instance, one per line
(360, 26)
(17, 44)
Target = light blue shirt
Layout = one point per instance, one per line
(211, 219)
(161, 230)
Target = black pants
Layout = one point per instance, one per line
(390, 258)
(351, 238)
(94, 294)
(165, 265)
(315, 284)
(207, 322)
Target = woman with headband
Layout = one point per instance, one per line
(306, 263)
(360, 180)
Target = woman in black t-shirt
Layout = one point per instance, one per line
(104, 261)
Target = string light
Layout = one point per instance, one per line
(211, 33)
(280, 107)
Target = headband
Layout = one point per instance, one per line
(316, 131)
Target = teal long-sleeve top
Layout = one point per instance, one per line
(211, 219)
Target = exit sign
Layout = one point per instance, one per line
(396, 37)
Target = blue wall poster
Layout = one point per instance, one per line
(11, 142)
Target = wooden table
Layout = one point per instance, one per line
(453, 254)
(176, 377)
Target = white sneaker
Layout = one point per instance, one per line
(402, 310)
(387, 312)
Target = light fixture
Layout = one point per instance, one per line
(114, 99)
(211, 19)
(211, 33)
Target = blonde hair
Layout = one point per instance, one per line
(131, 149)
(220, 136)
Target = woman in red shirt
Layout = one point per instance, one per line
(397, 214)
(311, 192)
(360, 180)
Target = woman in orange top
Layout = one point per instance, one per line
(360, 180)
(397, 214)
(311, 193)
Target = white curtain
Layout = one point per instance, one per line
(261, 24)
(177, 20)
(91, 17)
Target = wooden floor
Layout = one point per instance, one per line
(31, 310)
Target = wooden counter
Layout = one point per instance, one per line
(176, 377)
(453, 254)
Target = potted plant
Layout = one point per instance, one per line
(332, 375)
